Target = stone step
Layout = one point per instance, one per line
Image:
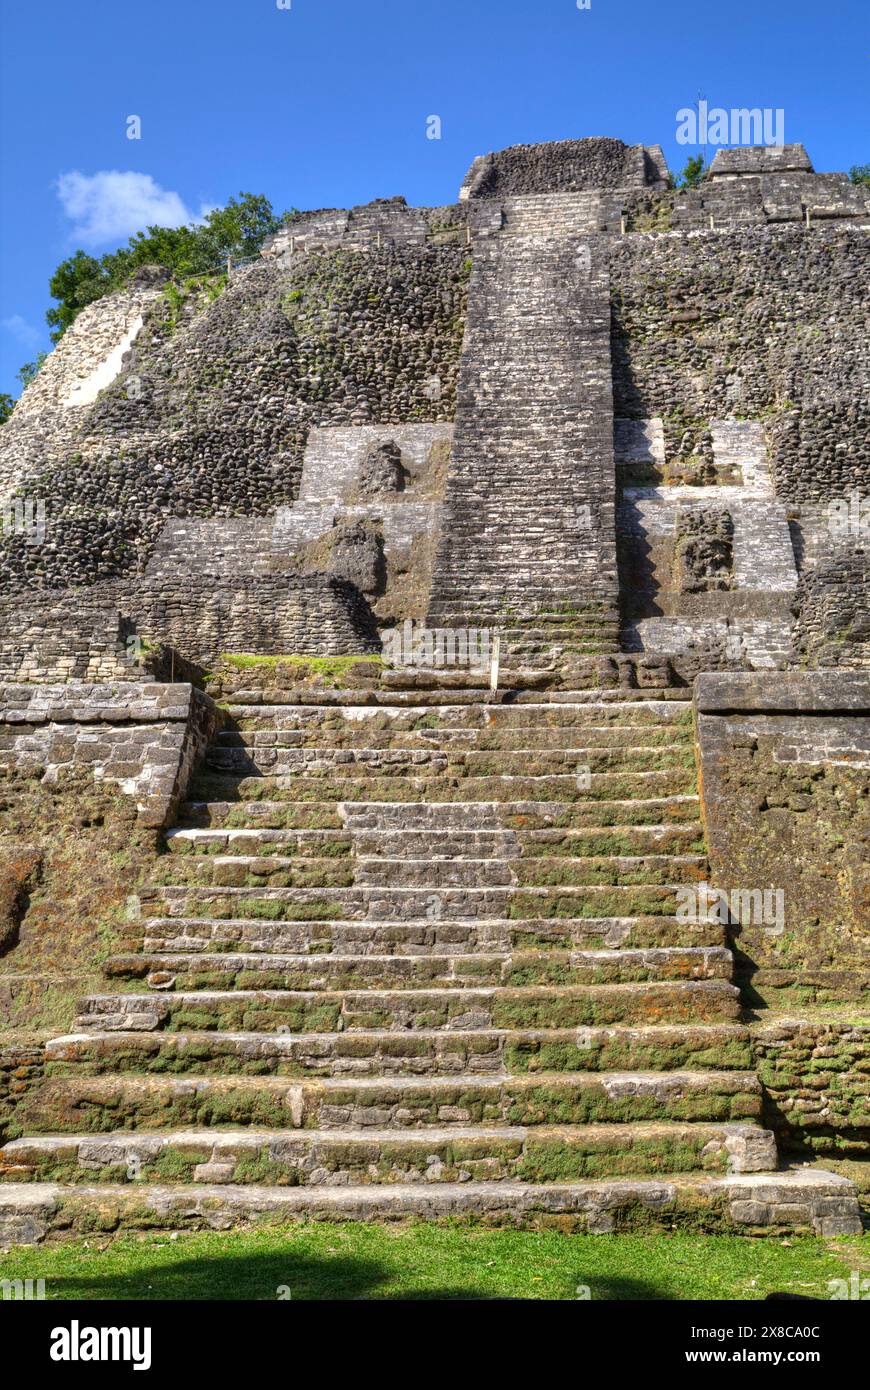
(235, 814)
(77, 1104)
(334, 709)
(274, 702)
(463, 739)
(461, 842)
(801, 1201)
(577, 786)
(415, 904)
(282, 871)
(225, 971)
(560, 626)
(621, 870)
(431, 763)
(600, 814)
(473, 1153)
(279, 871)
(544, 651)
(299, 1011)
(674, 839)
(301, 844)
(527, 635)
(421, 938)
(533, 672)
(451, 815)
(656, 1047)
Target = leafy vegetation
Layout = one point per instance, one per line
(326, 666)
(7, 404)
(236, 230)
(28, 371)
(860, 173)
(692, 173)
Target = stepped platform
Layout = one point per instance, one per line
(405, 957)
(760, 1204)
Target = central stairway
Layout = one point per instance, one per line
(420, 956)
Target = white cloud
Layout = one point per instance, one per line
(111, 205)
(22, 330)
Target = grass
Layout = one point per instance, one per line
(322, 1261)
(336, 671)
(326, 665)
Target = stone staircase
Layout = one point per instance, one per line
(528, 531)
(419, 956)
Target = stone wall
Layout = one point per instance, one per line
(87, 634)
(211, 413)
(90, 357)
(738, 324)
(785, 793)
(21, 1066)
(53, 637)
(203, 615)
(766, 184)
(738, 616)
(832, 611)
(145, 739)
(384, 222)
(565, 166)
(212, 545)
(722, 342)
(816, 1076)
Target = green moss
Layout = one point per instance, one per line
(330, 669)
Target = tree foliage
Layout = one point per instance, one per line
(860, 173)
(26, 373)
(693, 172)
(237, 230)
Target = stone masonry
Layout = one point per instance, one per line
(437, 942)
(401, 960)
(528, 519)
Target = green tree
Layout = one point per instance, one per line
(77, 281)
(693, 172)
(240, 228)
(860, 173)
(28, 371)
(172, 247)
(237, 230)
(7, 405)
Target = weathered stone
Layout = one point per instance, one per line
(381, 471)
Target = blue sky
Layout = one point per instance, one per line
(325, 103)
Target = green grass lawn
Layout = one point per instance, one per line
(353, 1261)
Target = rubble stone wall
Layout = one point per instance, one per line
(144, 738)
(816, 1076)
(785, 794)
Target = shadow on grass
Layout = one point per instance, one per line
(278, 1277)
